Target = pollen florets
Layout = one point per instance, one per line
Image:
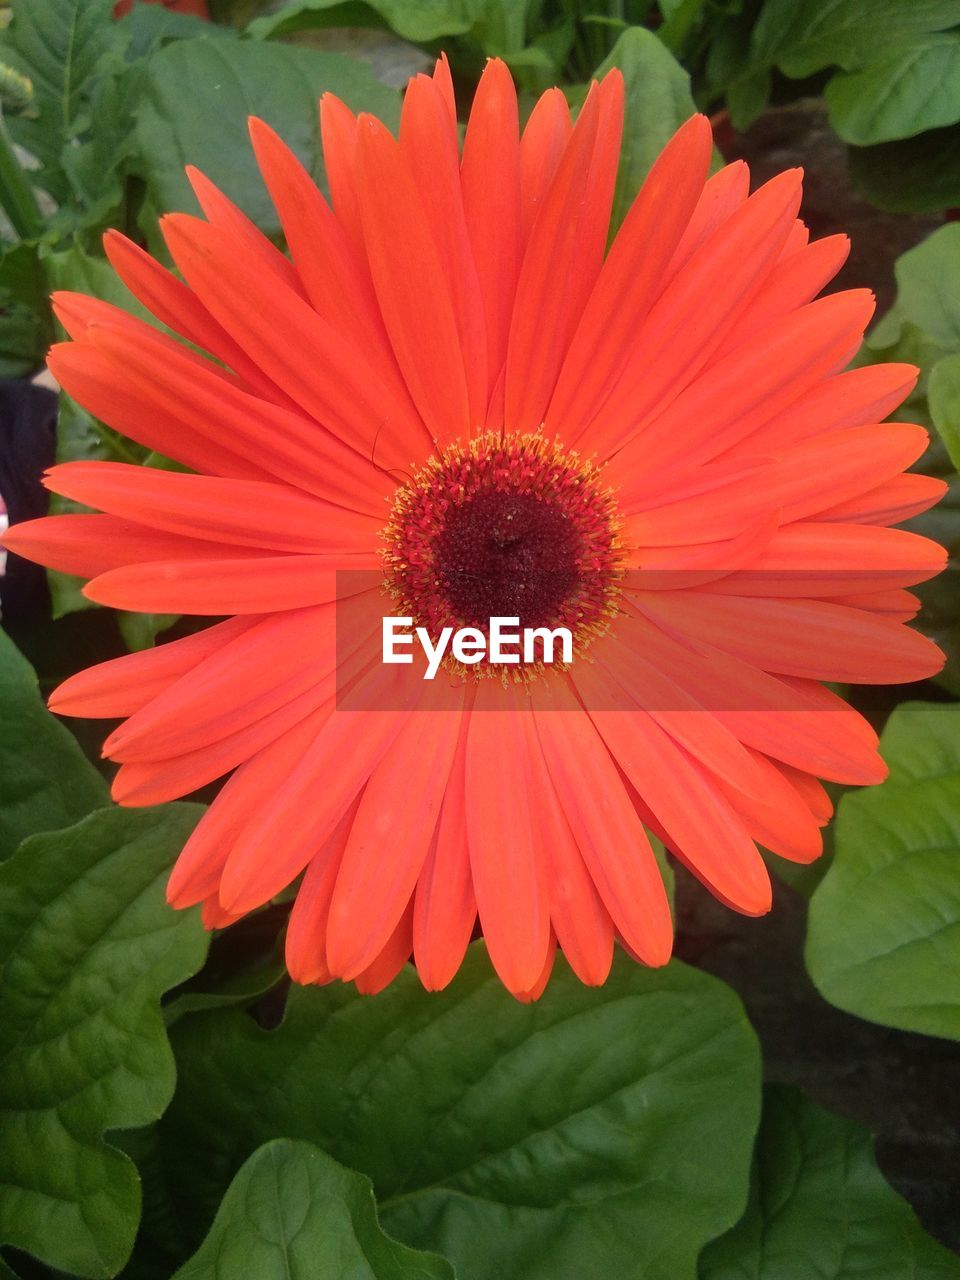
(505, 526)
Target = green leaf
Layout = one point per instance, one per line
(25, 318)
(292, 1213)
(914, 175)
(884, 932)
(149, 26)
(658, 101)
(747, 97)
(680, 19)
(944, 396)
(820, 1207)
(140, 630)
(23, 341)
(199, 93)
(21, 276)
(87, 945)
(596, 1132)
(928, 286)
(97, 167)
(63, 46)
(804, 36)
(425, 20)
(914, 88)
(45, 779)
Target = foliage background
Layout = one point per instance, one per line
(169, 1107)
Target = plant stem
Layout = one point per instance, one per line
(16, 194)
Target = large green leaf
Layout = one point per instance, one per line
(884, 933)
(658, 101)
(199, 93)
(45, 780)
(292, 1213)
(821, 1208)
(804, 36)
(64, 46)
(87, 946)
(596, 1132)
(424, 20)
(914, 88)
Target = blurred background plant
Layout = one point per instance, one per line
(655, 1079)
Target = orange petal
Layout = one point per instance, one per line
(395, 954)
(694, 312)
(428, 140)
(373, 891)
(632, 276)
(311, 798)
(722, 195)
(338, 130)
(222, 212)
(580, 920)
(190, 414)
(809, 638)
(492, 208)
(848, 399)
(793, 282)
(898, 499)
(124, 685)
(335, 277)
(731, 398)
(213, 586)
(157, 781)
(445, 908)
(767, 712)
(306, 941)
(609, 834)
(544, 138)
(266, 666)
(505, 857)
(175, 305)
(814, 559)
(567, 243)
(703, 830)
(248, 513)
(246, 794)
(91, 545)
(325, 374)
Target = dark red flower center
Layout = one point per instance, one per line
(505, 526)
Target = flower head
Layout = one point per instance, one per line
(453, 399)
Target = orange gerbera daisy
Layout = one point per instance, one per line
(452, 389)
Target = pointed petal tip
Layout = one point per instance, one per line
(658, 950)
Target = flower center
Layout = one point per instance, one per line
(505, 526)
